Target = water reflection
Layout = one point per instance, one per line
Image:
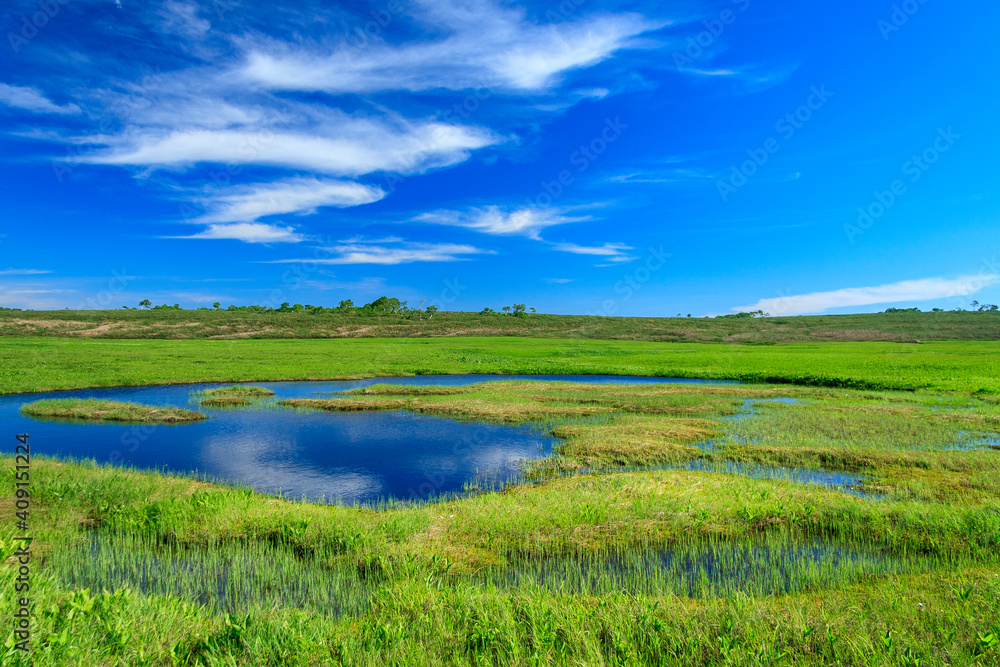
(350, 457)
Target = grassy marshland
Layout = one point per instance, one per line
(635, 562)
(187, 324)
(92, 409)
(232, 397)
(37, 364)
(238, 391)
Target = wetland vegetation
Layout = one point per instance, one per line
(640, 541)
(93, 409)
(41, 364)
(258, 322)
(235, 396)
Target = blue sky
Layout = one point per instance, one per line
(623, 158)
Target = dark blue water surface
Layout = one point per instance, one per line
(355, 457)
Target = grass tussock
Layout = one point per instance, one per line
(226, 402)
(342, 405)
(404, 390)
(236, 396)
(92, 409)
(238, 391)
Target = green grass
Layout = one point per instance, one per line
(625, 568)
(124, 324)
(236, 396)
(237, 391)
(225, 402)
(35, 364)
(92, 409)
(613, 554)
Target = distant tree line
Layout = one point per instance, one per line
(743, 316)
(976, 307)
(515, 310)
(383, 305)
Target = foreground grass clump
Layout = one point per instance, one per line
(653, 567)
(225, 402)
(93, 409)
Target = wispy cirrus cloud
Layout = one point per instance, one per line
(658, 175)
(357, 146)
(924, 289)
(32, 99)
(23, 272)
(35, 295)
(393, 252)
(248, 232)
(481, 44)
(495, 220)
(182, 18)
(364, 285)
(299, 196)
(610, 252)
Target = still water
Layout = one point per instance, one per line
(356, 457)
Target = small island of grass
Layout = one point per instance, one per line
(225, 402)
(236, 396)
(237, 391)
(93, 409)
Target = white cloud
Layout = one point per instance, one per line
(182, 18)
(249, 232)
(32, 99)
(35, 295)
(364, 285)
(485, 45)
(401, 253)
(36, 291)
(295, 195)
(23, 272)
(354, 147)
(661, 175)
(611, 252)
(493, 220)
(907, 290)
(559, 281)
